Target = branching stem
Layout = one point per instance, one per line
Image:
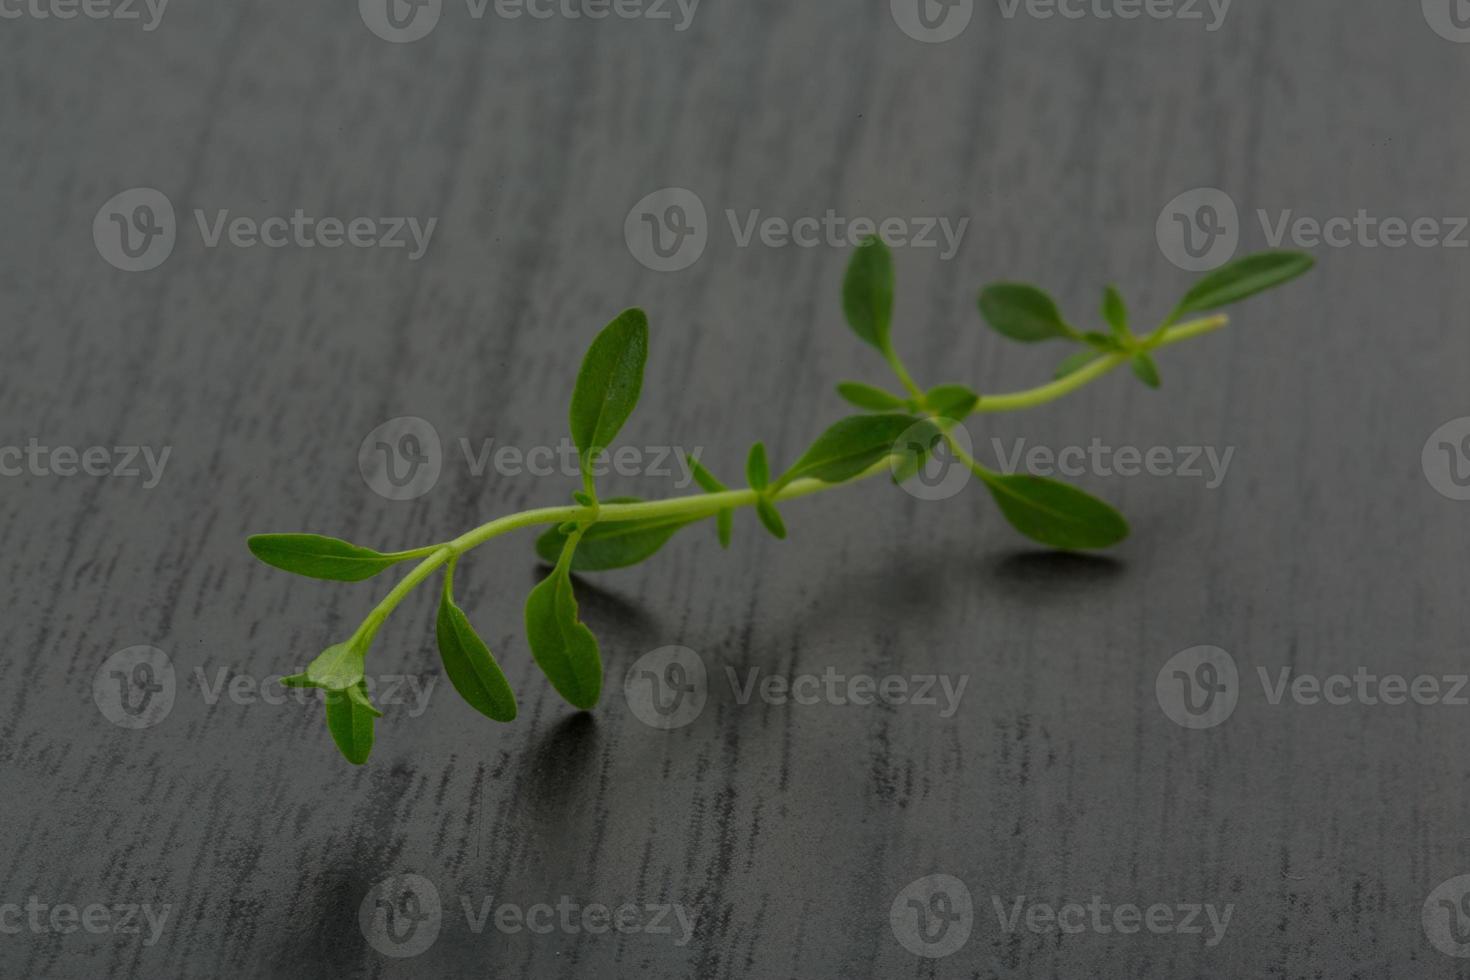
(708, 505)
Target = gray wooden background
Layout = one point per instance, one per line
(786, 832)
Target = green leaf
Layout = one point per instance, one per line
(1076, 362)
(869, 398)
(1056, 514)
(1115, 313)
(350, 717)
(724, 519)
(1146, 369)
(609, 383)
(321, 557)
(867, 292)
(757, 470)
(917, 446)
(468, 662)
(1022, 312)
(706, 480)
(1103, 342)
(297, 680)
(770, 517)
(564, 649)
(1244, 278)
(851, 446)
(613, 544)
(951, 401)
(337, 668)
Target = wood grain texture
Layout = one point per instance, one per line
(786, 831)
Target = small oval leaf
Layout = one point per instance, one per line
(1022, 312)
(317, 556)
(867, 292)
(1075, 363)
(771, 518)
(337, 668)
(1244, 278)
(470, 665)
(1115, 313)
(1146, 370)
(851, 446)
(564, 649)
(757, 470)
(612, 544)
(609, 383)
(869, 398)
(1056, 514)
(350, 719)
(954, 402)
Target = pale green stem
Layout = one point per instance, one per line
(906, 379)
(1098, 368)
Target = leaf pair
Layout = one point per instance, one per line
(758, 475)
(607, 390)
(951, 401)
(725, 517)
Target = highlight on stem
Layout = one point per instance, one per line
(895, 434)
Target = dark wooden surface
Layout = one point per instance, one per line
(786, 831)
